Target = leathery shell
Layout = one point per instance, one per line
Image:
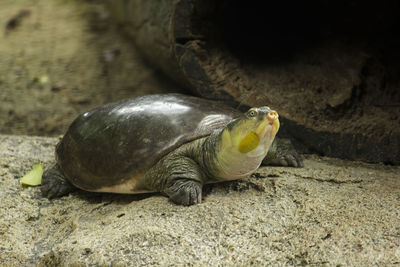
(115, 142)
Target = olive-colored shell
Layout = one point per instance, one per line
(111, 143)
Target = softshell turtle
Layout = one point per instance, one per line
(168, 143)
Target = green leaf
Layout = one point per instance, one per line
(34, 177)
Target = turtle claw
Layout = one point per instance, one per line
(185, 192)
(291, 160)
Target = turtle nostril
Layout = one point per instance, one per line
(273, 115)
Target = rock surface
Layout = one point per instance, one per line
(331, 212)
(330, 69)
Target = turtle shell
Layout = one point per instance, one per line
(115, 142)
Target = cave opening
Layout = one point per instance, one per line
(272, 31)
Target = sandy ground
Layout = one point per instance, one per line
(332, 212)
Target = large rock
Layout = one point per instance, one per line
(330, 68)
(330, 212)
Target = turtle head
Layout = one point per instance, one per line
(258, 126)
(245, 141)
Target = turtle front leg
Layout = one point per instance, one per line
(283, 153)
(181, 179)
(184, 191)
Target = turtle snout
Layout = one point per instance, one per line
(273, 120)
(272, 116)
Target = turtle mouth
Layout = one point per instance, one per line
(269, 124)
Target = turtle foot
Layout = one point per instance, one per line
(185, 192)
(54, 183)
(283, 153)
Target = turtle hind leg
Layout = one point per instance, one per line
(54, 183)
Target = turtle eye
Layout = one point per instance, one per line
(252, 113)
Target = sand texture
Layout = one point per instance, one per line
(332, 212)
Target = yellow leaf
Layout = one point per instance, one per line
(34, 177)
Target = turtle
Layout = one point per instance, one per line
(168, 143)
